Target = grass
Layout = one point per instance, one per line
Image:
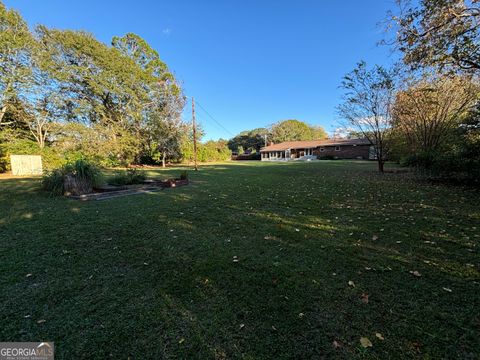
(251, 261)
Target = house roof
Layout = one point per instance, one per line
(313, 144)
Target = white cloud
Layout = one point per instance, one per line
(167, 31)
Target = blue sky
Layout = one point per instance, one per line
(248, 63)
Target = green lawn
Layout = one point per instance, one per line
(251, 261)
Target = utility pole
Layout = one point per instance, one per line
(194, 134)
(265, 136)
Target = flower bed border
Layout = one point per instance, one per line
(149, 186)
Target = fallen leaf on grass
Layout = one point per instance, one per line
(374, 237)
(41, 321)
(447, 289)
(351, 283)
(364, 298)
(28, 275)
(379, 336)
(365, 342)
(181, 340)
(242, 326)
(415, 273)
(336, 344)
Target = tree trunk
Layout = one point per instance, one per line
(3, 110)
(380, 165)
(163, 160)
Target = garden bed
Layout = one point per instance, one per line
(147, 186)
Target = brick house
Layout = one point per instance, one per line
(318, 149)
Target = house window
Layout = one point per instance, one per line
(337, 148)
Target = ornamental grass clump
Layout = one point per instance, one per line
(77, 178)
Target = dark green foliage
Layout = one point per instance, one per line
(51, 159)
(53, 182)
(84, 174)
(128, 177)
(251, 140)
(154, 276)
(184, 175)
(253, 156)
(460, 165)
(327, 157)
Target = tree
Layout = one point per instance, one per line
(318, 133)
(251, 140)
(443, 33)
(118, 87)
(148, 59)
(160, 87)
(16, 45)
(100, 85)
(367, 105)
(214, 151)
(429, 110)
(292, 130)
(110, 103)
(166, 128)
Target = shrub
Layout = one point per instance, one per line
(184, 175)
(456, 165)
(50, 158)
(53, 182)
(77, 178)
(129, 177)
(254, 156)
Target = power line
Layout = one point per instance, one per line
(211, 117)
